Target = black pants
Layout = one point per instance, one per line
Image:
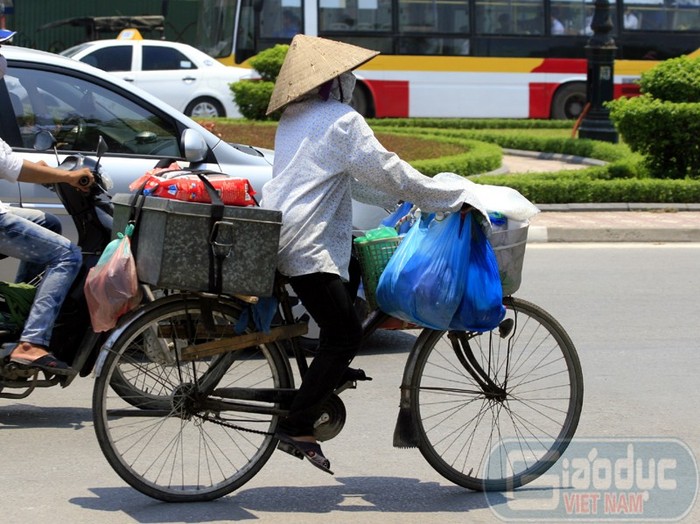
(330, 302)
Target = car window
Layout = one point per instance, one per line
(116, 58)
(77, 112)
(157, 58)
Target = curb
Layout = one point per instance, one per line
(569, 159)
(544, 234)
(618, 206)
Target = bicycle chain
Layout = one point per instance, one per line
(234, 426)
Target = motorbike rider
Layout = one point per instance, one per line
(23, 236)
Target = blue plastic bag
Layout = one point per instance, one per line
(393, 219)
(424, 284)
(391, 289)
(481, 307)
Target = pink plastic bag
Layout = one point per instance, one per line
(112, 287)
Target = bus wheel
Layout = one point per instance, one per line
(569, 101)
(361, 101)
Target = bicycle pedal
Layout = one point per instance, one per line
(288, 448)
(355, 375)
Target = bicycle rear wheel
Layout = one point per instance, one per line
(158, 419)
(495, 410)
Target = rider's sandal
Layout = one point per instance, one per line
(47, 363)
(300, 449)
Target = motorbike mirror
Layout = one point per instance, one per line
(102, 146)
(193, 145)
(44, 140)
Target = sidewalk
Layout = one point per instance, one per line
(602, 222)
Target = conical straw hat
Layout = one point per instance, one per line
(310, 62)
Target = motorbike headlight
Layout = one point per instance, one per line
(107, 183)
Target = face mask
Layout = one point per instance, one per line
(3, 66)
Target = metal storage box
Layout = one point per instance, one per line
(173, 245)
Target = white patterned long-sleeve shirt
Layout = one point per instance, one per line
(326, 153)
(10, 166)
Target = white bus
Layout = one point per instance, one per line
(463, 58)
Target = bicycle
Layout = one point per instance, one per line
(204, 420)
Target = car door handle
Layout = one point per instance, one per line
(188, 79)
(128, 78)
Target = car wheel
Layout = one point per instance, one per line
(205, 107)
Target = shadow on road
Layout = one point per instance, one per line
(27, 416)
(360, 495)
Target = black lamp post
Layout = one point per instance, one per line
(600, 51)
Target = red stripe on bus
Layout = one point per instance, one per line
(541, 99)
(541, 94)
(562, 65)
(627, 90)
(390, 97)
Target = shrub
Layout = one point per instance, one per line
(674, 80)
(269, 62)
(253, 96)
(664, 132)
(663, 124)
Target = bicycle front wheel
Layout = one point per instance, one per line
(159, 420)
(495, 410)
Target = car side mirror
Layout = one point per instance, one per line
(43, 141)
(193, 146)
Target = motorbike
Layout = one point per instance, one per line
(73, 339)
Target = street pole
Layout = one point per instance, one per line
(600, 51)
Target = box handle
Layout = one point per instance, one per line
(216, 261)
(221, 248)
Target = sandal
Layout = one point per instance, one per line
(47, 363)
(300, 449)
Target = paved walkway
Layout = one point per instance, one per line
(601, 222)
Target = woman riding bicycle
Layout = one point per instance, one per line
(326, 155)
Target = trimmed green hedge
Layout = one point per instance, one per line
(583, 188)
(623, 179)
(478, 157)
(469, 123)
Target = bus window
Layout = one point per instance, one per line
(215, 28)
(576, 16)
(354, 16)
(433, 28)
(523, 17)
(668, 15)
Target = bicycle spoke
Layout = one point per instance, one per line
(156, 423)
(524, 388)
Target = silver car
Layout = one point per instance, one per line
(78, 103)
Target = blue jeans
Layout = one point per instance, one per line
(38, 246)
(29, 270)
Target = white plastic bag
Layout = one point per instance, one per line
(503, 199)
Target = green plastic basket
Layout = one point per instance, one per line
(374, 256)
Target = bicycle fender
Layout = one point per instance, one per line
(405, 434)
